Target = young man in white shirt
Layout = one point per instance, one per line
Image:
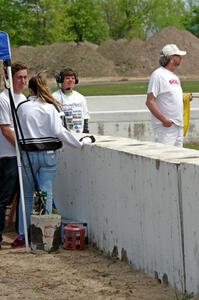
(8, 160)
(165, 98)
(74, 105)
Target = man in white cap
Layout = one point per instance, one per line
(165, 98)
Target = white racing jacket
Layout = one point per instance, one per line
(42, 127)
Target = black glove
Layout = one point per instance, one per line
(92, 138)
(85, 130)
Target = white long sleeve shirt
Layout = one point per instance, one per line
(42, 127)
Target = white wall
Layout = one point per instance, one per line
(132, 124)
(190, 208)
(139, 199)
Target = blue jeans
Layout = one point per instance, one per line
(44, 167)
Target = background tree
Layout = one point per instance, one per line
(141, 18)
(12, 14)
(191, 18)
(126, 18)
(45, 21)
(162, 14)
(34, 22)
(40, 22)
(86, 21)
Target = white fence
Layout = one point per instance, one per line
(141, 202)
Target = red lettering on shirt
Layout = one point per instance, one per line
(174, 81)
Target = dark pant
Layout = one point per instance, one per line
(8, 185)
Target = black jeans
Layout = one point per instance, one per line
(8, 185)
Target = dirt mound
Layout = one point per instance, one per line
(124, 55)
(170, 35)
(129, 58)
(80, 56)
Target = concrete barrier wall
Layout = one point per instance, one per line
(132, 124)
(190, 207)
(127, 116)
(140, 202)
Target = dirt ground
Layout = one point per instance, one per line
(66, 275)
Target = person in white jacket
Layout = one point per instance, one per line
(43, 134)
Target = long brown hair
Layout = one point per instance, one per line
(40, 88)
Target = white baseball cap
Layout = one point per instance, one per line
(172, 49)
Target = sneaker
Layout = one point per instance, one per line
(18, 242)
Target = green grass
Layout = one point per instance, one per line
(192, 146)
(125, 88)
(119, 88)
(122, 88)
(190, 86)
(184, 297)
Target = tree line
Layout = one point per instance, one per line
(41, 22)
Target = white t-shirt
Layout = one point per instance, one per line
(6, 148)
(166, 88)
(75, 109)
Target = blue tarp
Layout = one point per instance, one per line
(4, 46)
